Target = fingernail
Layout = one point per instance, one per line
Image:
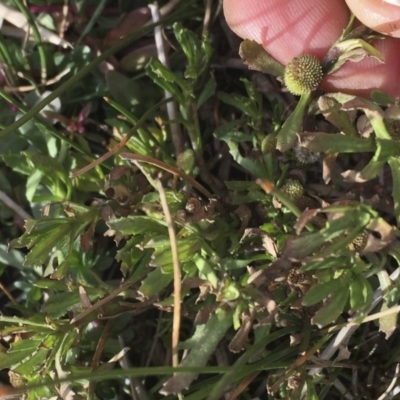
(394, 2)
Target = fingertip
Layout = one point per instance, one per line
(363, 77)
(287, 28)
(378, 15)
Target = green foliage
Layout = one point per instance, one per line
(265, 270)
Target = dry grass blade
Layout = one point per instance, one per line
(101, 302)
(169, 168)
(17, 19)
(177, 275)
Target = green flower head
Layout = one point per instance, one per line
(303, 74)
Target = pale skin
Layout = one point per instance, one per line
(288, 28)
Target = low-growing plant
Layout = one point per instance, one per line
(174, 232)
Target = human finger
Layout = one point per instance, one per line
(287, 28)
(380, 15)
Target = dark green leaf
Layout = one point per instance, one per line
(242, 103)
(361, 293)
(335, 143)
(187, 248)
(204, 343)
(334, 307)
(44, 235)
(394, 163)
(207, 92)
(155, 282)
(59, 304)
(21, 350)
(321, 291)
(287, 136)
(136, 225)
(253, 166)
(382, 98)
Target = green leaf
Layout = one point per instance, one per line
(204, 342)
(19, 163)
(58, 304)
(394, 163)
(230, 131)
(245, 104)
(33, 363)
(197, 52)
(34, 321)
(205, 270)
(361, 293)
(32, 185)
(334, 307)
(385, 149)
(207, 92)
(335, 143)
(353, 50)
(287, 136)
(166, 79)
(187, 248)
(321, 291)
(20, 351)
(382, 98)
(301, 246)
(48, 164)
(333, 262)
(45, 235)
(311, 393)
(13, 258)
(186, 161)
(131, 255)
(254, 167)
(155, 282)
(136, 225)
(230, 291)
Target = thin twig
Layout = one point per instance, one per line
(172, 107)
(386, 393)
(101, 302)
(166, 167)
(342, 389)
(17, 19)
(155, 339)
(137, 389)
(8, 294)
(167, 8)
(177, 275)
(10, 203)
(28, 88)
(97, 355)
(101, 159)
(121, 144)
(207, 17)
